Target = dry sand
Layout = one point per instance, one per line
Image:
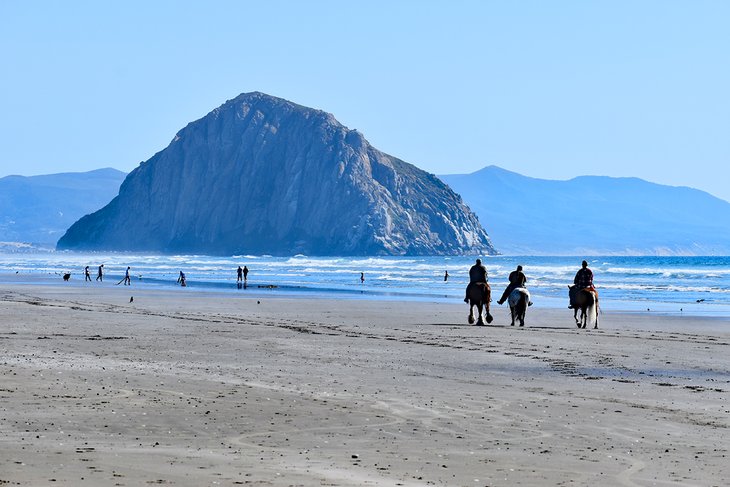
(198, 389)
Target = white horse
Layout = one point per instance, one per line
(518, 301)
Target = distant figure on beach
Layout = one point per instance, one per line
(362, 277)
(446, 276)
(517, 278)
(477, 273)
(181, 279)
(100, 275)
(87, 276)
(583, 280)
(245, 273)
(239, 274)
(127, 279)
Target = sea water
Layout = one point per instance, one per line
(675, 285)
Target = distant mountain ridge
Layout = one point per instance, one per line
(263, 175)
(594, 215)
(39, 209)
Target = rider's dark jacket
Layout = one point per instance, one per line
(517, 279)
(477, 273)
(583, 278)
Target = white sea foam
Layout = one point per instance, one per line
(642, 279)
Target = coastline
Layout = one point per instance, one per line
(275, 288)
(204, 389)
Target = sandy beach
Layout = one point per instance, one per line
(186, 388)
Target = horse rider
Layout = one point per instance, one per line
(477, 273)
(584, 277)
(583, 280)
(517, 278)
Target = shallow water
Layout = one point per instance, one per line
(670, 285)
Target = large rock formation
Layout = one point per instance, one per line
(263, 175)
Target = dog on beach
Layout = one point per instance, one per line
(67, 276)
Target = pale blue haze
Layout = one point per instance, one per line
(547, 89)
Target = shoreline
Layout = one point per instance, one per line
(201, 389)
(262, 290)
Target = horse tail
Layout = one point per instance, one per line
(592, 310)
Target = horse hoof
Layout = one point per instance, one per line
(471, 320)
(480, 323)
(490, 318)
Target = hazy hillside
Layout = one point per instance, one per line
(39, 209)
(594, 215)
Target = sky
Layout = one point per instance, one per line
(547, 89)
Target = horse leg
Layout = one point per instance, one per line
(487, 306)
(522, 312)
(596, 326)
(471, 313)
(584, 317)
(480, 322)
(512, 314)
(575, 316)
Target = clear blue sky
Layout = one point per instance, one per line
(550, 89)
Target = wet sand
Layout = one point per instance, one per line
(187, 388)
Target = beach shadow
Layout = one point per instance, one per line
(462, 325)
(566, 327)
(498, 325)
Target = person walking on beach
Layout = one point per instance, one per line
(477, 273)
(181, 279)
(239, 274)
(517, 278)
(127, 279)
(245, 273)
(87, 276)
(100, 274)
(446, 276)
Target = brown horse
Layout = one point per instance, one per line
(480, 294)
(585, 300)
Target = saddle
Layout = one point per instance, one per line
(574, 290)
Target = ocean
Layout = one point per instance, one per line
(670, 285)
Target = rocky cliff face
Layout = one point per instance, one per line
(266, 176)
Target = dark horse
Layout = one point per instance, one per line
(585, 300)
(480, 294)
(518, 301)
